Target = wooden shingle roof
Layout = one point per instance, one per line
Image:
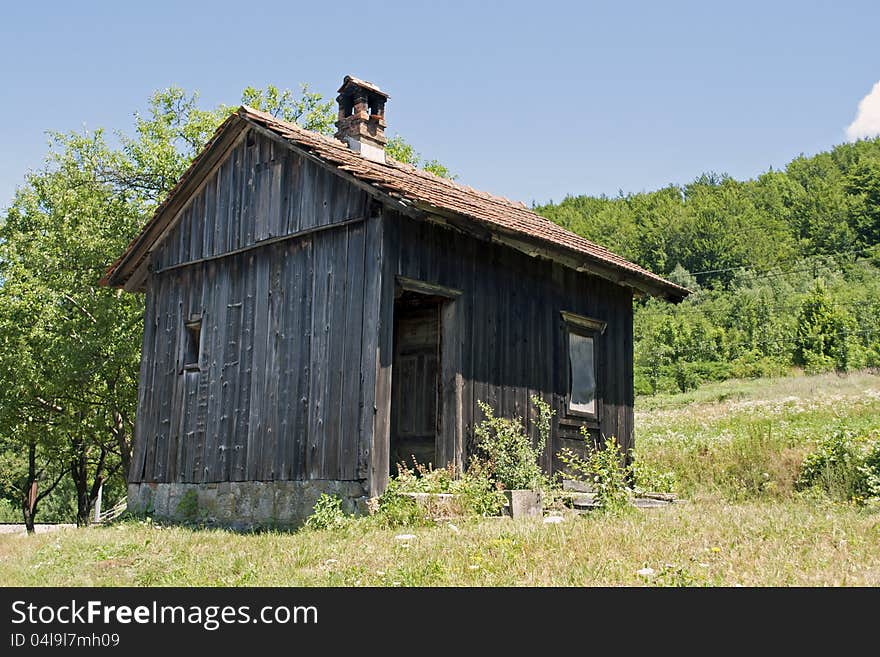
(421, 192)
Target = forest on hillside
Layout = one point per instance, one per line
(784, 271)
(784, 268)
(69, 348)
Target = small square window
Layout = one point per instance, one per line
(192, 344)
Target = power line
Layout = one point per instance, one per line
(783, 340)
(694, 310)
(770, 269)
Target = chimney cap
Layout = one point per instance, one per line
(351, 81)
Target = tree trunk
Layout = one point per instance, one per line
(80, 472)
(29, 492)
(85, 494)
(122, 442)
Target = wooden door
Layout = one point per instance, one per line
(415, 385)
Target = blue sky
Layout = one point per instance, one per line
(532, 100)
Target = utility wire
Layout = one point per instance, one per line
(739, 267)
(784, 340)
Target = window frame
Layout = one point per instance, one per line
(191, 326)
(587, 327)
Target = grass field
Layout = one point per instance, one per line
(734, 448)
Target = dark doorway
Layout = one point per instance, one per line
(415, 380)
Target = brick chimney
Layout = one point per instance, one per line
(361, 122)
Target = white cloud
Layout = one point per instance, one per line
(867, 122)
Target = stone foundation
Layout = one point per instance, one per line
(242, 504)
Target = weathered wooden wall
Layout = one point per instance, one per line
(260, 191)
(512, 336)
(280, 392)
(292, 270)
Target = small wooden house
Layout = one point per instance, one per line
(316, 312)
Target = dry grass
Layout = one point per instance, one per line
(711, 543)
(733, 446)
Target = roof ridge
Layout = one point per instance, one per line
(394, 163)
(271, 118)
(410, 183)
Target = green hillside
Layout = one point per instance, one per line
(784, 268)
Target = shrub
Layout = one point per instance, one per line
(513, 460)
(649, 478)
(475, 491)
(603, 471)
(327, 514)
(478, 494)
(844, 466)
(393, 509)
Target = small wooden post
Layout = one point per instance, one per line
(98, 504)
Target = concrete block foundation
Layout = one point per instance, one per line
(243, 504)
(523, 504)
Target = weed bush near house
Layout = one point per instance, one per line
(474, 490)
(513, 460)
(327, 514)
(603, 470)
(393, 509)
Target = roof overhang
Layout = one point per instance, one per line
(131, 269)
(538, 248)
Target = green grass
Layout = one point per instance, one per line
(741, 440)
(734, 447)
(769, 543)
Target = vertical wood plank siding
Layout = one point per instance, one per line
(515, 342)
(279, 391)
(294, 378)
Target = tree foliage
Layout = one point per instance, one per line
(821, 205)
(752, 252)
(402, 151)
(69, 349)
